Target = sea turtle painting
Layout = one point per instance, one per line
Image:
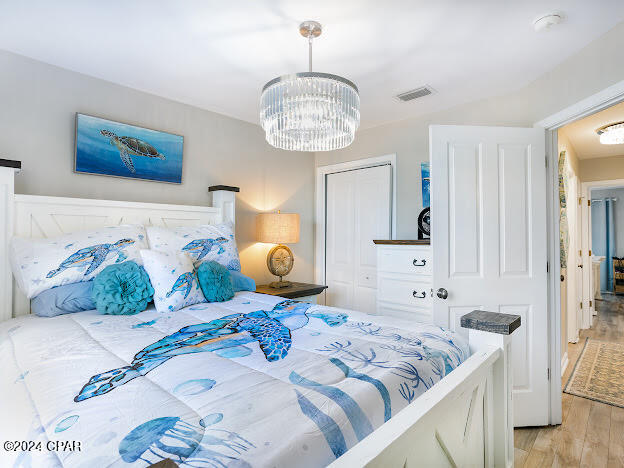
(96, 254)
(130, 146)
(271, 329)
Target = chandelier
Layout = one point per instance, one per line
(612, 134)
(310, 111)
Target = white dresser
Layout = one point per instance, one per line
(404, 279)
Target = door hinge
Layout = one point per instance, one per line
(590, 252)
(581, 305)
(546, 160)
(580, 200)
(548, 373)
(590, 304)
(588, 202)
(547, 267)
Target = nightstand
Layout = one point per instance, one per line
(304, 292)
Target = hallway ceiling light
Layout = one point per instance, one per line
(612, 134)
(310, 111)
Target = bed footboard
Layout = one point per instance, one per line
(464, 420)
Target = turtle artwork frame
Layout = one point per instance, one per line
(116, 149)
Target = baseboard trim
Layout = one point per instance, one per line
(564, 362)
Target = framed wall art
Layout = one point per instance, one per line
(105, 147)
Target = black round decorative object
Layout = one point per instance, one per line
(424, 222)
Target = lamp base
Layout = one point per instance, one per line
(280, 284)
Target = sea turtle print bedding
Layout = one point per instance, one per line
(255, 381)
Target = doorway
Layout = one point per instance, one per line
(355, 204)
(587, 421)
(586, 107)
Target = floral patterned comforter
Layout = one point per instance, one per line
(255, 381)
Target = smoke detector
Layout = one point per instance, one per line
(546, 22)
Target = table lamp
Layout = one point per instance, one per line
(278, 228)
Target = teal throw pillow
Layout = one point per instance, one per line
(215, 282)
(122, 289)
(241, 282)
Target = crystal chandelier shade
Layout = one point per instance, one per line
(310, 111)
(612, 134)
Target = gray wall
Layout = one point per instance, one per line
(587, 72)
(38, 103)
(610, 168)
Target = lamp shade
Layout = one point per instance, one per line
(277, 228)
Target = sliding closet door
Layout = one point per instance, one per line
(340, 228)
(358, 211)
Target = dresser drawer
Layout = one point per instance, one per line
(410, 292)
(412, 260)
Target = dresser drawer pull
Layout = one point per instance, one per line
(418, 295)
(415, 262)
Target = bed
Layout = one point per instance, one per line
(343, 376)
(349, 389)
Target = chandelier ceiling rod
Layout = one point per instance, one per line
(310, 29)
(309, 53)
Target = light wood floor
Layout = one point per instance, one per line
(592, 433)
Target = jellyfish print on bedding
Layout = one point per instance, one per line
(188, 445)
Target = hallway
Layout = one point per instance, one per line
(592, 433)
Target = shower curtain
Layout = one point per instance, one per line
(603, 238)
(610, 240)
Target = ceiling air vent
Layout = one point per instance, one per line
(415, 93)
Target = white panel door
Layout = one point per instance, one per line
(489, 241)
(579, 276)
(573, 262)
(358, 211)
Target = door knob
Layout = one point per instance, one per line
(580, 266)
(442, 293)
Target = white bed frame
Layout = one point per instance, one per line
(39, 217)
(464, 420)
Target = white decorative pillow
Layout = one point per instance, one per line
(41, 264)
(203, 243)
(173, 278)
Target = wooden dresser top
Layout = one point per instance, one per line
(402, 242)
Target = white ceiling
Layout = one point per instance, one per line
(584, 139)
(217, 54)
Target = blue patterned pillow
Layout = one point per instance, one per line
(122, 289)
(204, 243)
(174, 279)
(41, 264)
(215, 282)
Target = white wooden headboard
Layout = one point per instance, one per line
(41, 216)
